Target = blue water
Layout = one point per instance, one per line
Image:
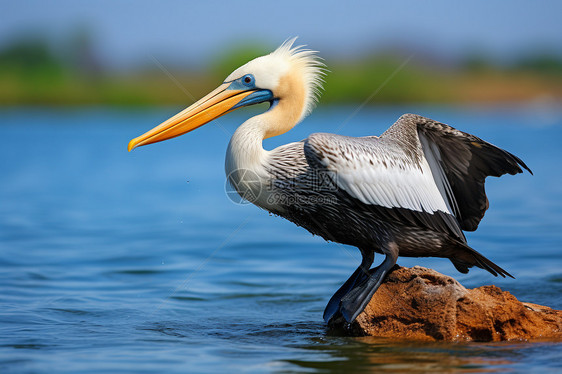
(139, 262)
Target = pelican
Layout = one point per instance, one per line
(411, 191)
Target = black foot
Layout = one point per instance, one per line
(358, 277)
(355, 301)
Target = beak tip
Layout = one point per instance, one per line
(132, 145)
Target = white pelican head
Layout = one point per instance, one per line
(289, 78)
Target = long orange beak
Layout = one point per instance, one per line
(220, 101)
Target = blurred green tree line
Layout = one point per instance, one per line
(34, 73)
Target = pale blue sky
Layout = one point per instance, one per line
(127, 33)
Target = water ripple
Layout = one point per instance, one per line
(113, 261)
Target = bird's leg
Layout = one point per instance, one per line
(355, 301)
(358, 276)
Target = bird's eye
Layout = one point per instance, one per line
(248, 79)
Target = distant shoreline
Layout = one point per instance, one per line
(31, 73)
(150, 90)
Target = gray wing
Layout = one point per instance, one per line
(460, 163)
(388, 176)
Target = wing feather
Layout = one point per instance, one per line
(379, 173)
(460, 163)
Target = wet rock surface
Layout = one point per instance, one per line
(421, 304)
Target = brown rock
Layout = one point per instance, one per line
(422, 304)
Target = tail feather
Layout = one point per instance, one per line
(465, 257)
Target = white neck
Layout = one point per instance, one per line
(245, 149)
(246, 160)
